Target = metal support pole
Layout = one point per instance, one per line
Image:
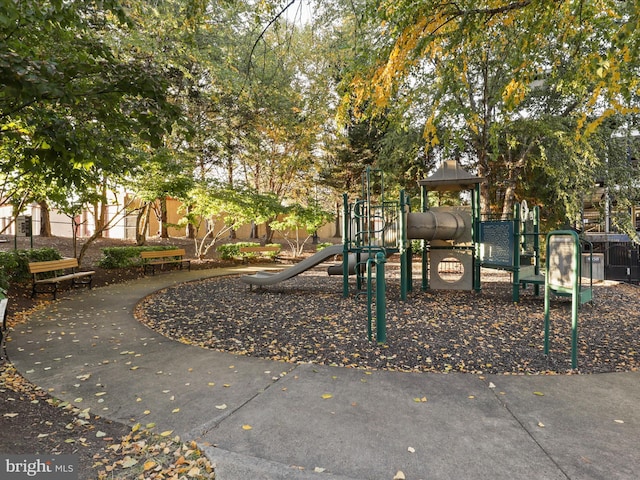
(517, 231)
(346, 240)
(424, 205)
(475, 236)
(405, 258)
(381, 306)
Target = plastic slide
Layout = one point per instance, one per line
(266, 278)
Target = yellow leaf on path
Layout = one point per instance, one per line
(148, 465)
(540, 394)
(136, 427)
(247, 427)
(175, 410)
(128, 462)
(327, 396)
(619, 421)
(399, 476)
(150, 425)
(166, 433)
(10, 415)
(100, 434)
(147, 412)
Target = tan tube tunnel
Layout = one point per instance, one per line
(435, 225)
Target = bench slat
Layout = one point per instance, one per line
(180, 252)
(259, 249)
(53, 265)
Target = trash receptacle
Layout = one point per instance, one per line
(595, 262)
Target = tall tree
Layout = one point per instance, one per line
(473, 71)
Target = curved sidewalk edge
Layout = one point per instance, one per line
(318, 421)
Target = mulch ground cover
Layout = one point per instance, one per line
(305, 319)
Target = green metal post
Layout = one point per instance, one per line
(346, 240)
(475, 236)
(536, 245)
(517, 227)
(409, 251)
(381, 307)
(370, 260)
(424, 204)
(574, 323)
(405, 259)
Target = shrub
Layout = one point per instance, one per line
(124, 257)
(229, 251)
(323, 245)
(14, 266)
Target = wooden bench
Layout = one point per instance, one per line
(259, 249)
(160, 258)
(49, 274)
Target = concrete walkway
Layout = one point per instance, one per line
(310, 421)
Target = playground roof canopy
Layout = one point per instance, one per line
(450, 176)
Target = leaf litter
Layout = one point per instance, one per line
(306, 320)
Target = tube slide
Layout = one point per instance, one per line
(266, 278)
(435, 225)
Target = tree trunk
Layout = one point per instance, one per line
(191, 230)
(164, 219)
(45, 219)
(142, 224)
(268, 238)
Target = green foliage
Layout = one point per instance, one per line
(14, 263)
(124, 257)
(229, 251)
(297, 218)
(323, 245)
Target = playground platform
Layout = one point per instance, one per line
(309, 421)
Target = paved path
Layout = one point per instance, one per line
(310, 421)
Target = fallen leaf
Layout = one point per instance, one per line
(619, 421)
(399, 476)
(247, 427)
(319, 469)
(129, 462)
(166, 433)
(411, 450)
(540, 394)
(221, 407)
(148, 465)
(10, 415)
(175, 410)
(327, 396)
(100, 434)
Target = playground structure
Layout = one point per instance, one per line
(454, 245)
